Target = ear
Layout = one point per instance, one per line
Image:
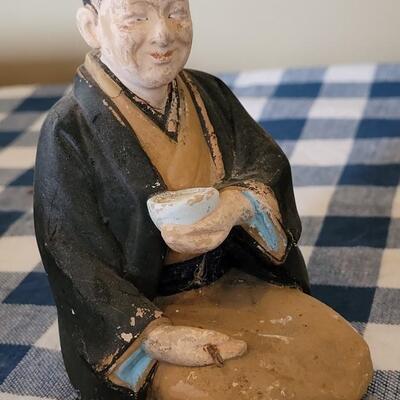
(86, 18)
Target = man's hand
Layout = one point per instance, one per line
(191, 347)
(211, 231)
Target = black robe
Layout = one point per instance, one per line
(103, 254)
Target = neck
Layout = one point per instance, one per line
(156, 97)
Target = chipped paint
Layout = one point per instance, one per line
(105, 363)
(285, 339)
(127, 337)
(192, 376)
(282, 321)
(140, 312)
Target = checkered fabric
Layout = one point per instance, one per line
(340, 127)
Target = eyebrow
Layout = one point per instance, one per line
(154, 3)
(132, 2)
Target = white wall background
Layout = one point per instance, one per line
(229, 34)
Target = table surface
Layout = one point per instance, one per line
(340, 128)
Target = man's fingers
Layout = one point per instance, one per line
(194, 243)
(232, 348)
(199, 228)
(215, 354)
(196, 247)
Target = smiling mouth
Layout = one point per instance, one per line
(162, 58)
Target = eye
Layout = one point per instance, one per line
(178, 13)
(132, 20)
(136, 18)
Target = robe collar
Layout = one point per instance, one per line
(93, 72)
(168, 121)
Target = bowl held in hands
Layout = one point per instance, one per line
(182, 207)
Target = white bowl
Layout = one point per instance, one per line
(182, 207)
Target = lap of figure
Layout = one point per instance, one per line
(298, 348)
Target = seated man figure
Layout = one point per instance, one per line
(137, 124)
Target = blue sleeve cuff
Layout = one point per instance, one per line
(263, 224)
(135, 369)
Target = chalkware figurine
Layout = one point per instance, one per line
(137, 125)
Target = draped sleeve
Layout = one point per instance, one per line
(101, 311)
(261, 170)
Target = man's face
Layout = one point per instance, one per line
(149, 39)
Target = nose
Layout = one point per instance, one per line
(161, 35)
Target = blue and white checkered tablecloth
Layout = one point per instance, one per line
(340, 127)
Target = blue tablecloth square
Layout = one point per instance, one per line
(378, 128)
(284, 129)
(385, 89)
(353, 303)
(7, 138)
(7, 218)
(34, 289)
(371, 175)
(298, 90)
(10, 356)
(25, 179)
(41, 104)
(354, 231)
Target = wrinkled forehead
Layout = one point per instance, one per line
(126, 5)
